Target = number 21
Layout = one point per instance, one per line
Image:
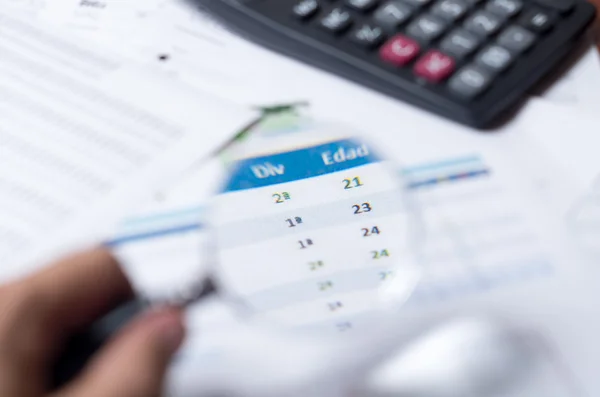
(352, 183)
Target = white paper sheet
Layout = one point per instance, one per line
(499, 250)
(579, 87)
(570, 136)
(83, 134)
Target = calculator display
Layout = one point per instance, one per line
(308, 236)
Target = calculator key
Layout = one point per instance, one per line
(516, 38)
(505, 8)
(362, 5)
(434, 66)
(494, 58)
(399, 50)
(538, 20)
(450, 10)
(470, 81)
(563, 6)
(367, 35)
(418, 3)
(336, 21)
(483, 23)
(305, 9)
(392, 14)
(460, 43)
(427, 27)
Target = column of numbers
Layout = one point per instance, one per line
(364, 241)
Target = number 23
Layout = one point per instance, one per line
(364, 207)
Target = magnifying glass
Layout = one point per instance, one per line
(310, 233)
(313, 238)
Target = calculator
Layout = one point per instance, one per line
(471, 61)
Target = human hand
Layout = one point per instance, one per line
(40, 312)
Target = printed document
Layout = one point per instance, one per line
(84, 133)
(490, 246)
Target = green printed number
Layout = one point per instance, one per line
(281, 197)
(352, 183)
(316, 265)
(325, 285)
(380, 254)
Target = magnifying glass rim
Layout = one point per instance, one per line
(322, 136)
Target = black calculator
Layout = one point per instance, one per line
(468, 60)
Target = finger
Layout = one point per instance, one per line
(38, 311)
(135, 362)
(74, 291)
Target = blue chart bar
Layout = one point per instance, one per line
(299, 164)
(447, 178)
(446, 171)
(153, 234)
(419, 176)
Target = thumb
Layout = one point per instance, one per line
(134, 363)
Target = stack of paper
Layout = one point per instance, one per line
(529, 226)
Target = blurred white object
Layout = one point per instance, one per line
(472, 357)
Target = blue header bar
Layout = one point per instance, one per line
(299, 164)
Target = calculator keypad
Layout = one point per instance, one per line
(460, 43)
(538, 20)
(516, 39)
(470, 81)
(450, 10)
(361, 5)
(434, 66)
(494, 58)
(484, 23)
(399, 50)
(336, 21)
(464, 45)
(393, 14)
(367, 35)
(427, 28)
(506, 8)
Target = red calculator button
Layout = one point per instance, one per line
(434, 66)
(399, 50)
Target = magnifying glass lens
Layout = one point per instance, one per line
(311, 232)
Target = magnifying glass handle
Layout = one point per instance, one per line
(81, 347)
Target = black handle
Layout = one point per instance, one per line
(81, 347)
